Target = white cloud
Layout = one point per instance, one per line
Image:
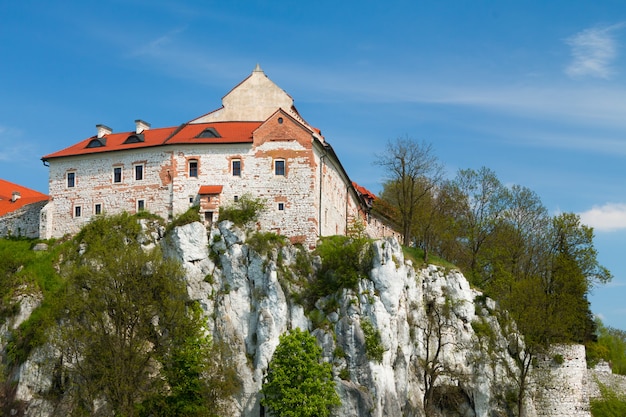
(593, 52)
(607, 218)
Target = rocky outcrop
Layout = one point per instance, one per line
(406, 342)
(423, 317)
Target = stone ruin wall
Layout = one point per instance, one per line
(22, 222)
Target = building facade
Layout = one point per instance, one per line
(20, 209)
(256, 144)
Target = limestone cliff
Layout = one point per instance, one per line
(424, 318)
(406, 336)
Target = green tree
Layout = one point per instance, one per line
(298, 383)
(484, 207)
(129, 333)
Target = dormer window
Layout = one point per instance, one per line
(209, 132)
(97, 143)
(135, 138)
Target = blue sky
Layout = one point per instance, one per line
(534, 90)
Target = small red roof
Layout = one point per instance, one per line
(190, 133)
(364, 191)
(210, 189)
(26, 196)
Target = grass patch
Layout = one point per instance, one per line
(192, 215)
(416, 255)
(611, 404)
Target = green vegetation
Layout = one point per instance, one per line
(298, 382)
(345, 261)
(190, 216)
(418, 257)
(24, 271)
(246, 210)
(130, 335)
(373, 343)
(263, 242)
(610, 346)
(611, 404)
(540, 268)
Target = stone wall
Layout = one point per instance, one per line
(298, 204)
(562, 391)
(22, 222)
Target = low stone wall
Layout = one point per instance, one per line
(603, 375)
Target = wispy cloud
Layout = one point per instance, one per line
(607, 218)
(593, 52)
(13, 148)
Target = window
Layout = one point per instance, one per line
(236, 167)
(77, 211)
(236, 198)
(71, 179)
(138, 172)
(209, 132)
(281, 206)
(279, 167)
(117, 174)
(141, 205)
(193, 168)
(97, 209)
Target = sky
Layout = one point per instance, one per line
(533, 90)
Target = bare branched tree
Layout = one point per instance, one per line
(412, 170)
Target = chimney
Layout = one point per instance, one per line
(140, 126)
(103, 130)
(15, 196)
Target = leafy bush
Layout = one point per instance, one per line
(373, 342)
(610, 347)
(482, 329)
(247, 209)
(263, 242)
(298, 382)
(345, 261)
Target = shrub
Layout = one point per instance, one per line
(190, 216)
(373, 343)
(345, 261)
(263, 242)
(247, 209)
(298, 382)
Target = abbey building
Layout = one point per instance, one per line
(256, 144)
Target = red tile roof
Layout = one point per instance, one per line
(229, 132)
(27, 196)
(210, 189)
(364, 191)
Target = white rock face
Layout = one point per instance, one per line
(427, 320)
(248, 307)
